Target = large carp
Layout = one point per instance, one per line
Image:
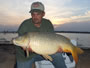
(46, 44)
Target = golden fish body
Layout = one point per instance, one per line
(47, 43)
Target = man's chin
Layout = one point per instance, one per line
(36, 22)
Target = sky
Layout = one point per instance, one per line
(65, 15)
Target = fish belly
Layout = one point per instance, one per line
(42, 47)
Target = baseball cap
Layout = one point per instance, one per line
(37, 7)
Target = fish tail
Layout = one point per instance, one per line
(79, 50)
(73, 52)
(75, 55)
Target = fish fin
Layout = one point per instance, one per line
(73, 52)
(79, 50)
(75, 55)
(27, 52)
(47, 57)
(67, 51)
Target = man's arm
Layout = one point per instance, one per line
(22, 29)
(50, 27)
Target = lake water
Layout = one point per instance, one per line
(82, 39)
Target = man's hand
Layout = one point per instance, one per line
(60, 50)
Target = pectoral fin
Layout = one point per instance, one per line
(27, 52)
(47, 57)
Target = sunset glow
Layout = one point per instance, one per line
(14, 12)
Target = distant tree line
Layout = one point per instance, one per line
(55, 31)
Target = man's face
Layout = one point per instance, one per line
(37, 17)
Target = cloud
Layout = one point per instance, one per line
(11, 18)
(84, 17)
(60, 12)
(13, 12)
(74, 26)
(76, 18)
(87, 13)
(74, 23)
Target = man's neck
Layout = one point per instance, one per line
(38, 25)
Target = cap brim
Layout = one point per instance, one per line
(35, 10)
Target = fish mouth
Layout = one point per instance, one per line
(24, 48)
(13, 41)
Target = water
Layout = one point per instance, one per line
(82, 39)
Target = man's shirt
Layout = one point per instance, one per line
(28, 26)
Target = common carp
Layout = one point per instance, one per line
(46, 44)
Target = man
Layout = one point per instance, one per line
(36, 24)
